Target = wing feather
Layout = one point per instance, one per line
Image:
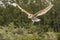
(21, 8)
(44, 11)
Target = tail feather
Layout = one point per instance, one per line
(35, 20)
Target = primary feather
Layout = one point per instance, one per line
(44, 11)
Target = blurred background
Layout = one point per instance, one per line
(15, 25)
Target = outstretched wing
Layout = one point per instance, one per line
(15, 4)
(44, 11)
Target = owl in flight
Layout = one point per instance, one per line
(33, 17)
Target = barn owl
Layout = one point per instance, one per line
(33, 17)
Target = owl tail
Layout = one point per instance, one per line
(35, 20)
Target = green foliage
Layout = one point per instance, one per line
(49, 36)
(14, 24)
(11, 32)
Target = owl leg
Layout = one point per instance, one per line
(32, 22)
